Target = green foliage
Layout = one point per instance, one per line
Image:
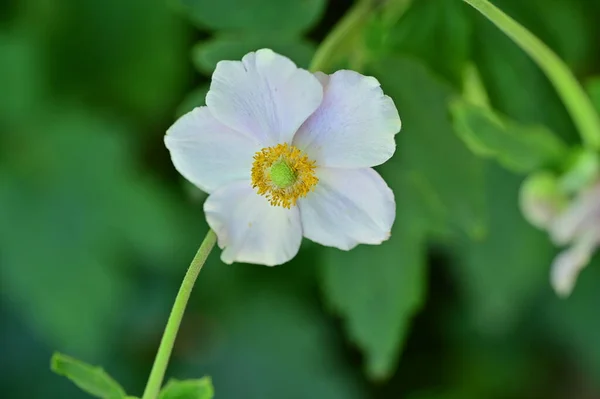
(379, 301)
(205, 55)
(96, 227)
(449, 168)
(516, 86)
(517, 147)
(68, 205)
(593, 88)
(188, 389)
(573, 324)
(503, 270)
(581, 169)
(281, 333)
(20, 64)
(283, 17)
(194, 99)
(93, 380)
(436, 31)
(434, 187)
(122, 55)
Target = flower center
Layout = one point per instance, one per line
(283, 174)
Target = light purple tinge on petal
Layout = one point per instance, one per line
(355, 125)
(251, 230)
(348, 207)
(208, 153)
(265, 95)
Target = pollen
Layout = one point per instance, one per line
(283, 174)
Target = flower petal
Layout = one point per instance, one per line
(265, 96)
(208, 153)
(581, 215)
(348, 207)
(569, 263)
(251, 230)
(355, 125)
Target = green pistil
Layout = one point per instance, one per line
(282, 175)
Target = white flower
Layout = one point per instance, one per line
(284, 153)
(578, 226)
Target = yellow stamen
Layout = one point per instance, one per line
(283, 174)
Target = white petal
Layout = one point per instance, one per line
(208, 153)
(348, 207)
(322, 77)
(355, 125)
(583, 213)
(265, 96)
(251, 230)
(569, 263)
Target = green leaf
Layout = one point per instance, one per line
(281, 334)
(77, 213)
(573, 324)
(279, 17)
(93, 380)
(563, 25)
(419, 32)
(205, 55)
(196, 98)
(526, 96)
(593, 89)
(188, 389)
(438, 183)
(378, 289)
(501, 273)
(134, 50)
(519, 148)
(22, 64)
(427, 145)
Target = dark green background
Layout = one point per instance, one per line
(97, 228)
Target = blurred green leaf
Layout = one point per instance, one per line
(268, 323)
(581, 170)
(76, 212)
(194, 99)
(93, 380)
(279, 17)
(427, 145)
(515, 85)
(188, 389)
(127, 56)
(378, 289)
(567, 26)
(593, 88)
(233, 47)
(519, 148)
(501, 273)
(436, 31)
(573, 324)
(22, 79)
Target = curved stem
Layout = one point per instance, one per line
(168, 339)
(574, 97)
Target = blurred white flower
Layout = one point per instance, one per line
(285, 153)
(579, 227)
(541, 199)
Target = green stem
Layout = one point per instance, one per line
(574, 97)
(353, 19)
(168, 339)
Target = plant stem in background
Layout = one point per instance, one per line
(353, 19)
(574, 97)
(168, 339)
